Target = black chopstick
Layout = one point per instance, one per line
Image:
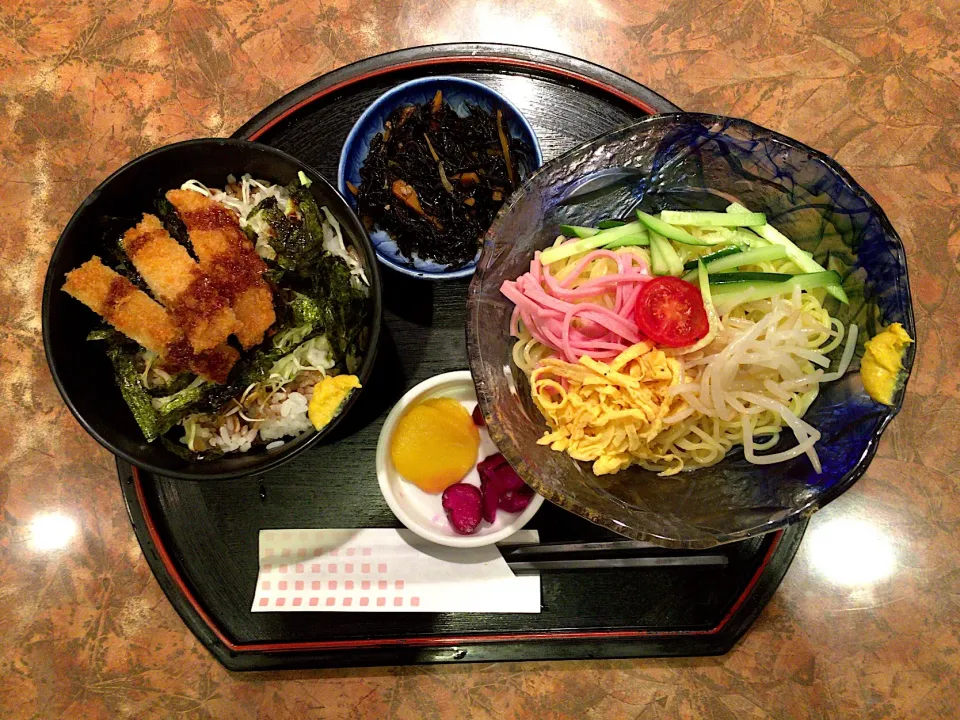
(522, 568)
(529, 551)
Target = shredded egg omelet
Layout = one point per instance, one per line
(607, 414)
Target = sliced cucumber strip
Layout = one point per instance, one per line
(801, 259)
(622, 231)
(692, 264)
(638, 239)
(712, 315)
(669, 231)
(746, 238)
(746, 278)
(597, 239)
(572, 231)
(805, 281)
(569, 249)
(664, 260)
(610, 233)
(755, 256)
(658, 265)
(608, 224)
(727, 297)
(702, 218)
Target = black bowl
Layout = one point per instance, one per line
(81, 370)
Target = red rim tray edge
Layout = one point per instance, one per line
(509, 56)
(432, 641)
(777, 555)
(781, 547)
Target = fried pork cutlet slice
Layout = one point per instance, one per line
(229, 259)
(120, 303)
(177, 281)
(142, 319)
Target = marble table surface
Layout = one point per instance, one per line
(867, 621)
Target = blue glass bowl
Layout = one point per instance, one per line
(695, 161)
(457, 92)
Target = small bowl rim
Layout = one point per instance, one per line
(377, 107)
(459, 377)
(295, 446)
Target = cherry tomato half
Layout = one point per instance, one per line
(670, 312)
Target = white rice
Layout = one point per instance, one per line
(288, 416)
(284, 416)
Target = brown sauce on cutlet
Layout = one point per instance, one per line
(134, 243)
(200, 301)
(233, 276)
(213, 217)
(119, 288)
(212, 364)
(177, 354)
(236, 272)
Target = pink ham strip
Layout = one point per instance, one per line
(548, 306)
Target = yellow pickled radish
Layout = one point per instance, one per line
(328, 397)
(435, 444)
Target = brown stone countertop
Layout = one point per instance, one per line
(866, 623)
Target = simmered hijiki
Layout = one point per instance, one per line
(669, 340)
(434, 180)
(255, 265)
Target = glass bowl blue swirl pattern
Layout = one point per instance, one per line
(696, 161)
(457, 92)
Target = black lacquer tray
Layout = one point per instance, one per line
(200, 538)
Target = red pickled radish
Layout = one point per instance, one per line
(501, 474)
(491, 496)
(513, 501)
(490, 463)
(478, 417)
(462, 503)
(501, 487)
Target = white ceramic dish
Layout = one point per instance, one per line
(422, 512)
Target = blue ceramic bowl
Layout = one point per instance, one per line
(457, 92)
(696, 161)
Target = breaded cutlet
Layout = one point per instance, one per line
(177, 281)
(229, 259)
(120, 303)
(142, 319)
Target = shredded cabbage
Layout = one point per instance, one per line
(333, 244)
(252, 193)
(179, 399)
(292, 337)
(314, 354)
